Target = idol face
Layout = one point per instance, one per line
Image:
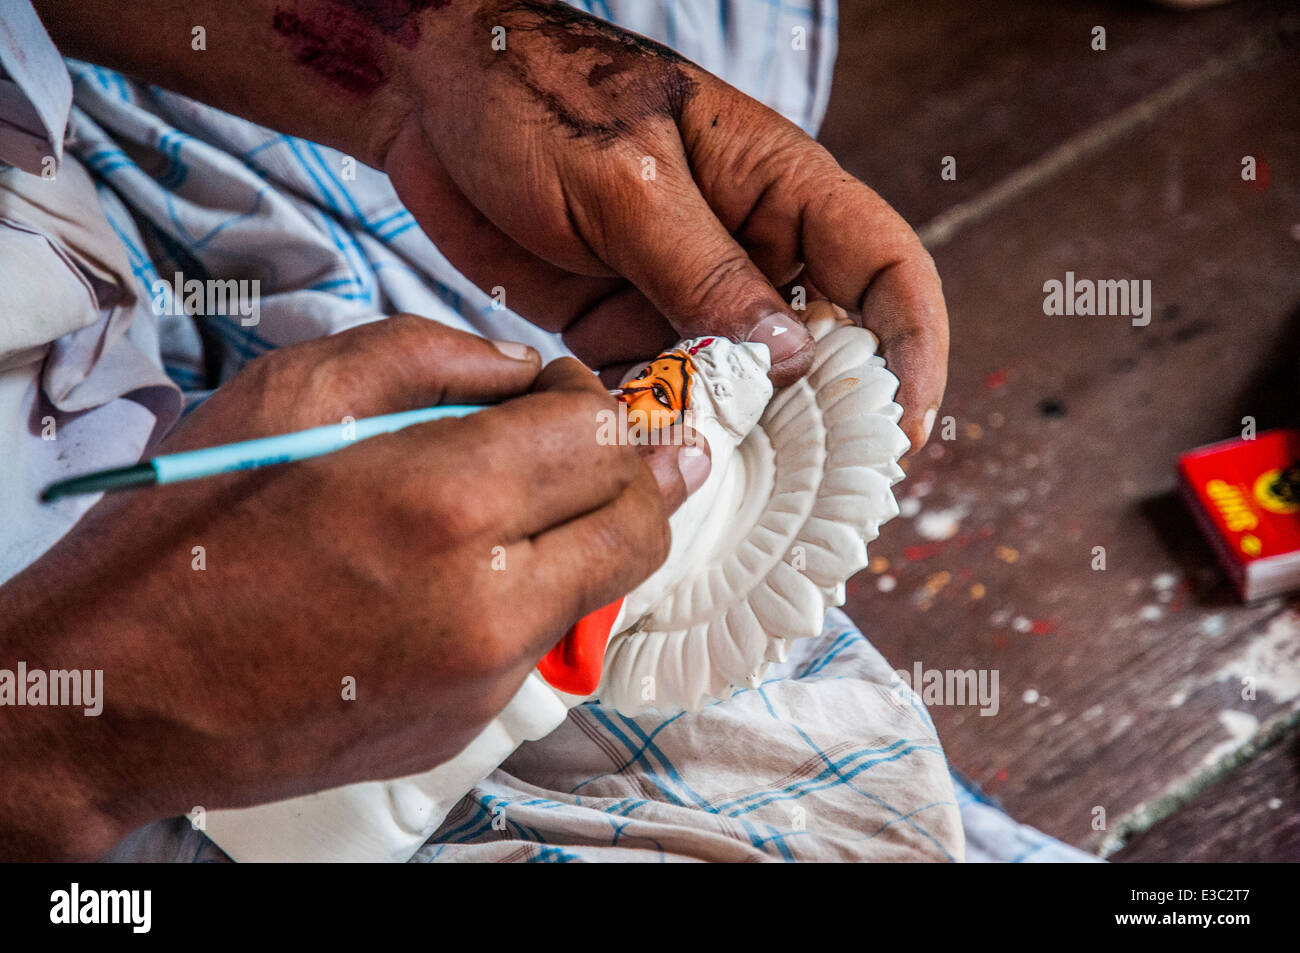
(657, 396)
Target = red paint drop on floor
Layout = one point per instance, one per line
(922, 551)
(1263, 175)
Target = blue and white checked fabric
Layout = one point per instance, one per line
(831, 758)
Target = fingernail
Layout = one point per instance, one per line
(694, 465)
(515, 351)
(783, 335)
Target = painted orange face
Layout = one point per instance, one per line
(657, 396)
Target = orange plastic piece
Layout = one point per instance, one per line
(576, 662)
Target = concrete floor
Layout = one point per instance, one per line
(1122, 728)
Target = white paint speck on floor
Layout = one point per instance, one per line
(1213, 625)
(1271, 660)
(1240, 726)
(938, 525)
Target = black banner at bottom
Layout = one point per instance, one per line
(142, 903)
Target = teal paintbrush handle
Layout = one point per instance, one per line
(285, 448)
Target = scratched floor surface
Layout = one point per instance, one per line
(1143, 714)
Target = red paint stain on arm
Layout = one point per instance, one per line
(344, 40)
(337, 46)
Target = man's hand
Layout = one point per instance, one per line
(626, 197)
(616, 191)
(433, 567)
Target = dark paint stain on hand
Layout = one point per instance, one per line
(343, 40)
(647, 79)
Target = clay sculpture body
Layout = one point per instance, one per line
(800, 483)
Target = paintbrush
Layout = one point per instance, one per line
(250, 454)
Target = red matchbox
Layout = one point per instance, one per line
(1246, 497)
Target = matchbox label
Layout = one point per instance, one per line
(1250, 490)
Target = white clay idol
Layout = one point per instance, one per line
(800, 482)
